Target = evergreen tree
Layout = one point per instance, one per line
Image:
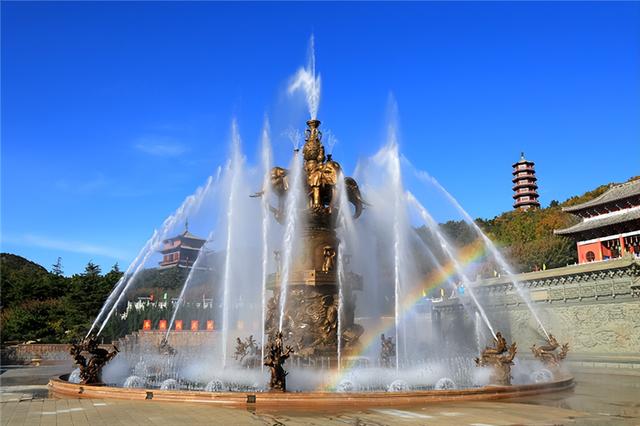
(92, 270)
(56, 268)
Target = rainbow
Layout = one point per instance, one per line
(468, 254)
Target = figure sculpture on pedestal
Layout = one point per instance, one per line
(329, 255)
(91, 369)
(165, 348)
(278, 258)
(245, 348)
(387, 350)
(310, 317)
(547, 353)
(277, 354)
(500, 359)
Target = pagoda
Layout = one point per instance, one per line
(525, 188)
(182, 250)
(610, 225)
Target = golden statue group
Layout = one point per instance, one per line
(312, 306)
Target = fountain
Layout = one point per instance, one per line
(549, 353)
(308, 305)
(336, 301)
(91, 369)
(499, 359)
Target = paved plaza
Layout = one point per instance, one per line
(597, 399)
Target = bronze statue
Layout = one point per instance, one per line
(91, 369)
(354, 196)
(314, 182)
(500, 359)
(309, 319)
(241, 349)
(313, 149)
(278, 258)
(276, 356)
(500, 345)
(387, 350)
(329, 255)
(547, 353)
(164, 348)
(247, 348)
(280, 185)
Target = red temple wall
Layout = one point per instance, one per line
(595, 247)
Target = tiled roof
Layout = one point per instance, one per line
(599, 222)
(188, 234)
(617, 192)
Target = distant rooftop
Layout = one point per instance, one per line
(187, 234)
(615, 193)
(522, 160)
(600, 222)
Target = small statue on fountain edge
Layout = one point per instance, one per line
(91, 369)
(277, 354)
(387, 350)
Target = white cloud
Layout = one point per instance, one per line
(160, 147)
(34, 240)
(82, 187)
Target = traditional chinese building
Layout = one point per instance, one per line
(182, 250)
(610, 225)
(525, 188)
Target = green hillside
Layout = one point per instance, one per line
(47, 306)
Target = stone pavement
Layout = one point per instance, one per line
(596, 400)
(102, 412)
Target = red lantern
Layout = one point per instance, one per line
(162, 325)
(146, 325)
(195, 325)
(210, 325)
(178, 325)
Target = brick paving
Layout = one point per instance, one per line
(112, 412)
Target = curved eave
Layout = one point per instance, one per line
(170, 250)
(592, 224)
(524, 185)
(528, 177)
(535, 203)
(525, 162)
(617, 193)
(525, 194)
(527, 169)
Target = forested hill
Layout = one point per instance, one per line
(47, 306)
(527, 238)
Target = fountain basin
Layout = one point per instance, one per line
(62, 388)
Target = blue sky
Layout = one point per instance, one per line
(113, 112)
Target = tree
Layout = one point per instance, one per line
(56, 268)
(92, 270)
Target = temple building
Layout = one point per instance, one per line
(610, 225)
(525, 188)
(181, 250)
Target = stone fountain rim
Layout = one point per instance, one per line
(60, 387)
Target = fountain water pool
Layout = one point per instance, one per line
(338, 282)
